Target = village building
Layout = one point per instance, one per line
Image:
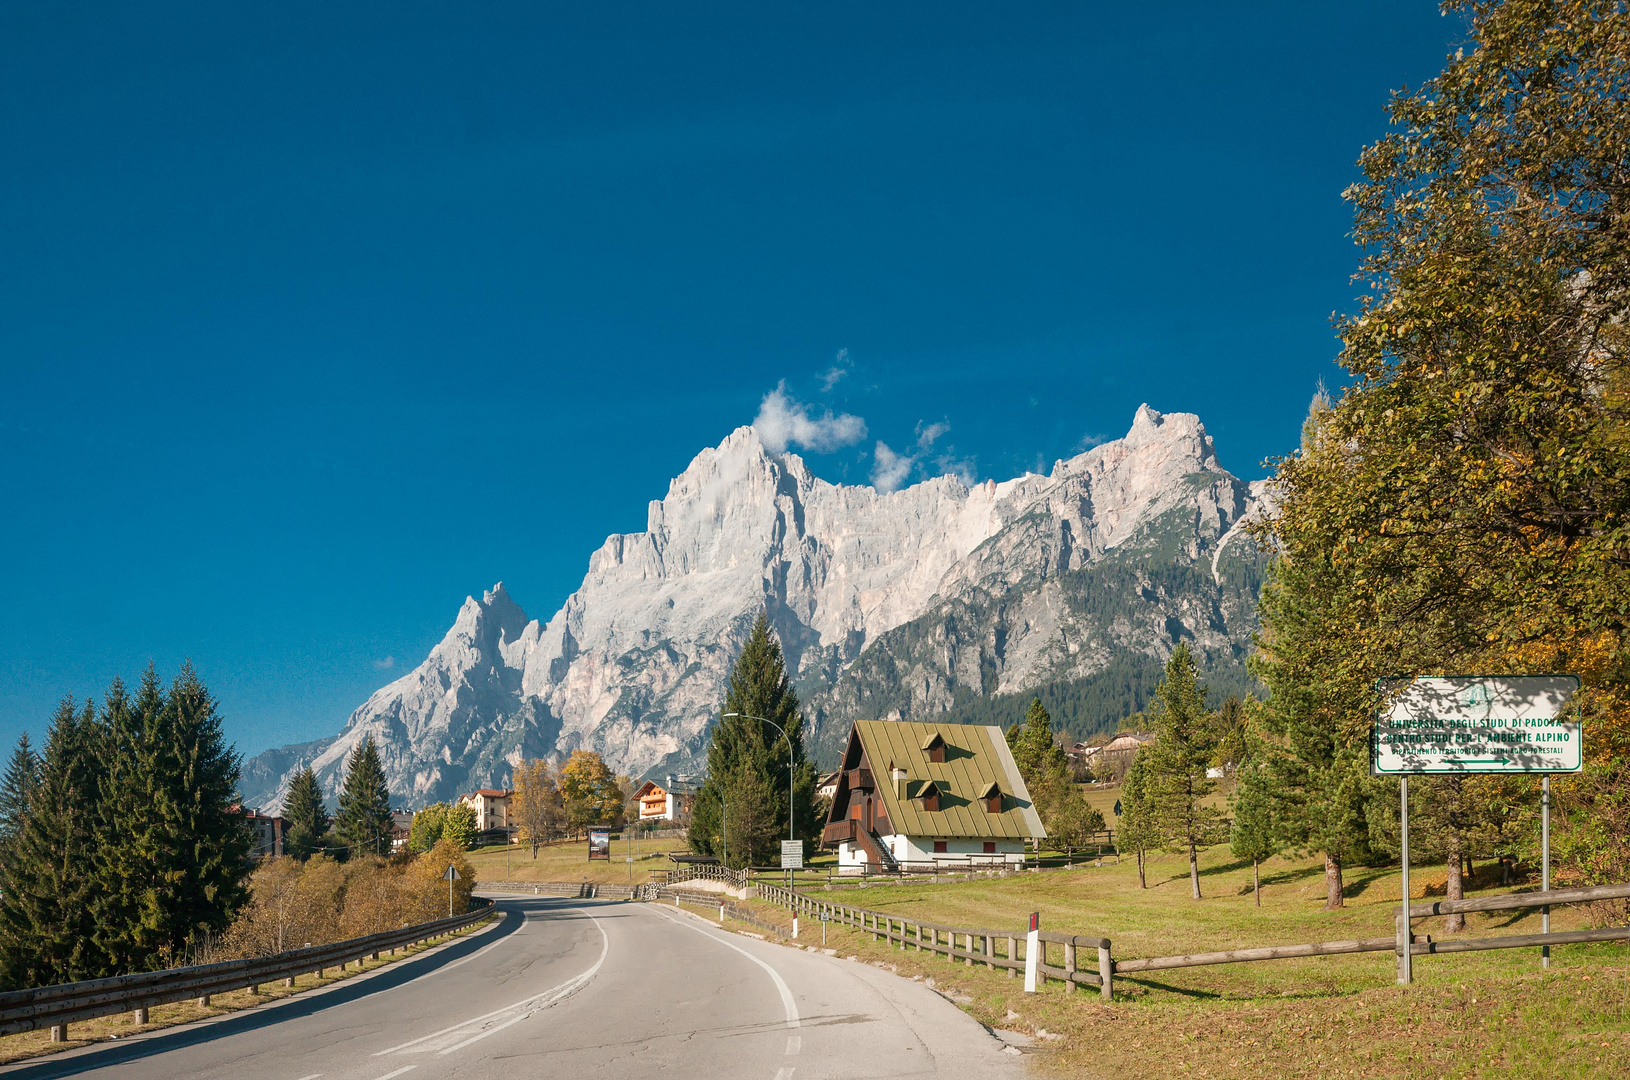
(269, 833)
(928, 794)
(491, 812)
(665, 802)
(827, 786)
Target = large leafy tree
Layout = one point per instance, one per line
(1465, 506)
(589, 792)
(537, 808)
(47, 920)
(364, 822)
(307, 815)
(749, 761)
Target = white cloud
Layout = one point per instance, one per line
(961, 468)
(783, 421)
(890, 470)
(386, 664)
(928, 435)
(1089, 441)
(840, 368)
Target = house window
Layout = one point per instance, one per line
(934, 747)
(939, 847)
(990, 847)
(931, 801)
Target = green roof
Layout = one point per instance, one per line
(976, 757)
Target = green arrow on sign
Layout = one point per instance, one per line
(1485, 761)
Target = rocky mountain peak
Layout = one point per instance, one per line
(632, 665)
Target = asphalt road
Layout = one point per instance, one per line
(575, 988)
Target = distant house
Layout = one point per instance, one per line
(665, 802)
(269, 834)
(401, 829)
(928, 793)
(1114, 756)
(828, 785)
(491, 810)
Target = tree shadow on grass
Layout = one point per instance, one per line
(1150, 984)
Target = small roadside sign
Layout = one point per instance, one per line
(452, 873)
(1478, 724)
(792, 854)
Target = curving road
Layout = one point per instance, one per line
(575, 988)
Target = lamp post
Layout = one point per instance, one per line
(792, 766)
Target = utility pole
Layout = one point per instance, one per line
(792, 772)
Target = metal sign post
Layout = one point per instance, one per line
(1032, 950)
(824, 918)
(1545, 864)
(1475, 724)
(451, 876)
(792, 857)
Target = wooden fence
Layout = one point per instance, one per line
(1006, 948)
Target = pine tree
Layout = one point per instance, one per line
(21, 776)
(131, 872)
(751, 759)
(46, 920)
(307, 816)
(206, 833)
(364, 823)
(1137, 827)
(1253, 834)
(1046, 772)
(1176, 763)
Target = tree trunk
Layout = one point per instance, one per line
(1194, 872)
(1454, 924)
(1332, 883)
(1142, 881)
(1256, 881)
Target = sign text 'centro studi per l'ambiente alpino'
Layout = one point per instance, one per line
(1478, 724)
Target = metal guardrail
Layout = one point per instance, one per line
(58, 1006)
(1006, 948)
(580, 890)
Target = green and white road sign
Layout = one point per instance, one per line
(1478, 724)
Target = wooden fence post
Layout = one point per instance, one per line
(1069, 966)
(1013, 956)
(1106, 973)
(971, 950)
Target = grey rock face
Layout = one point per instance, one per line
(902, 603)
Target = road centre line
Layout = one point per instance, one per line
(795, 1043)
(313, 1076)
(575, 983)
(787, 1002)
(398, 1072)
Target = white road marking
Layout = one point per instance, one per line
(787, 1001)
(526, 1006)
(313, 1076)
(784, 1073)
(795, 1043)
(398, 1072)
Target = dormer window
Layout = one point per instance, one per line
(992, 794)
(934, 747)
(930, 796)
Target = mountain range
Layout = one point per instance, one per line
(937, 600)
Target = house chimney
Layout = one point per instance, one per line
(899, 777)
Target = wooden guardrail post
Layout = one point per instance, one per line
(1013, 957)
(140, 1016)
(1069, 966)
(1106, 973)
(970, 949)
(59, 1033)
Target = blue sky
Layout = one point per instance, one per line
(316, 318)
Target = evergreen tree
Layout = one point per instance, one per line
(47, 926)
(1177, 760)
(307, 816)
(131, 871)
(22, 774)
(364, 823)
(206, 834)
(1137, 828)
(749, 761)
(1064, 812)
(1253, 834)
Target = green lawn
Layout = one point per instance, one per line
(1472, 1015)
(569, 861)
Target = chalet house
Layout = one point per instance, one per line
(401, 829)
(491, 809)
(827, 786)
(928, 793)
(664, 803)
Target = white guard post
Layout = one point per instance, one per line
(1032, 952)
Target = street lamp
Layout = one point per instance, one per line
(791, 765)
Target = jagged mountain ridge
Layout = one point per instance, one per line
(901, 603)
